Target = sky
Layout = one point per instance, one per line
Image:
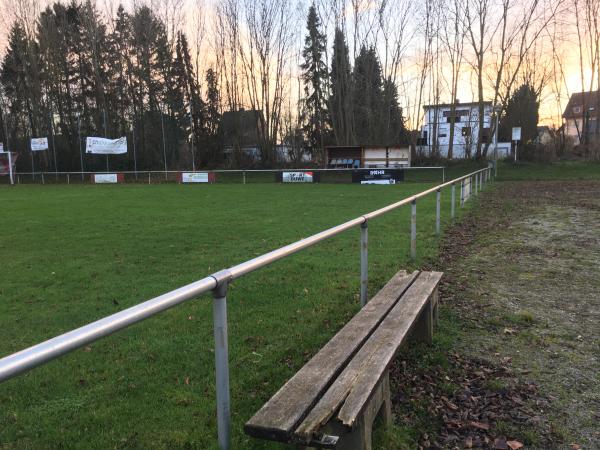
(194, 11)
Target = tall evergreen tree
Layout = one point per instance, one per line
(368, 103)
(75, 79)
(314, 76)
(394, 129)
(214, 139)
(522, 110)
(340, 100)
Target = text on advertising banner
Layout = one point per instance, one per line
(102, 146)
(39, 144)
(100, 178)
(193, 177)
(297, 177)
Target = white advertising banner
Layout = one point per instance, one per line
(102, 146)
(297, 177)
(388, 181)
(1, 147)
(191, 177)
(106, 178)
(39, 144)
(516, 133)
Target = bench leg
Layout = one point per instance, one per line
(423, 331)
(360, 437)
(435, 299)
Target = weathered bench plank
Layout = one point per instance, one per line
(369, 364)
(280, 416)
(391, 333)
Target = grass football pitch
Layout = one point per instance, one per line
(74, 254)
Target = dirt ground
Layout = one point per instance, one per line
(522, 315)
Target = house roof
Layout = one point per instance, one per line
(580, 100)
(457, 105)
(240, 128)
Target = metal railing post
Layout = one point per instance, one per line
(68, 179)
(43, 182)
(244, 174)
(437, 212)
(476, 183)
(453, 201)
(364, 263)
(148, 177)
(222, 366)
(413, 230)
(462, 193)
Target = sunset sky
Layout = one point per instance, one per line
(193, 12)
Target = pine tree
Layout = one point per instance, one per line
(368, 98)
(194, 111)
(522, 110)
(119, 75)
(214, 138)
(314, 76)
(394, 132)
(340, 100)
(15, 74)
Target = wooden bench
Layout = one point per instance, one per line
(333, 400)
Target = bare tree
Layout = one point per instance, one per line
(264, 55)
(453, 35)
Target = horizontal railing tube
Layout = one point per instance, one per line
(275, 255)
(31, 357)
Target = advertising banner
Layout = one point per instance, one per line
(101, 178)
(4, 162)
(39, 144)
(195, 177)
(101, 146)
(297, 177)
(516, 133)
(1, 147)
(378, 176)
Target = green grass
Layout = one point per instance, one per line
(74, 254)
(562, 170)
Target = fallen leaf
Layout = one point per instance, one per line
(187, 380)
(575, 446)
(514, 445)
(469, 442)
(479, 425)
(500, 444)
(509, 331)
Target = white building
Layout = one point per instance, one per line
(435, 132)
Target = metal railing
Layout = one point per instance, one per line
(173, 176)
(218, 282)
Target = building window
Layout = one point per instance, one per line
(577, 109)
(442, 135)
(466, 131)
(485, 135)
